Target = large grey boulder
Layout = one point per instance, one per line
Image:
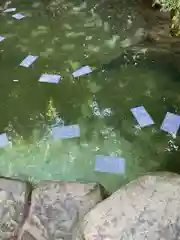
(148, 208)
(56, 209)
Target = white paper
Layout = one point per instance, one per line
(82, 71)
(171, 123)
(50, 78)
(28, 61)
(110, 164)
(1, 38)
(3, 140)
(18, 16)
(66, 132)
(142, 116)
(10, 10)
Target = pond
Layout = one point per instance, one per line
(66, 35)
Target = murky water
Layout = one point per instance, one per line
(67, 35)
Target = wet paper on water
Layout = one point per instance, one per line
(1, 38)
(50, 78)
(171, 123)
(28, 61)
(82, 71)
(8, 10)
(65, 132)
(142, 116)
(18, 16)
(110, 164)
(3, 140)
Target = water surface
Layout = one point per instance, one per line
(67, 34)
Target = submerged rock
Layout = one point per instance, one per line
(148, 208)
(57, 208)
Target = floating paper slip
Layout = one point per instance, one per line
(28, 61)
(18, 16)
(82, 71)
(1, 38)
(50, 78)
(10, 10)
(3, 140)
(171, 123)
(142, 116)
(66, 132)
(110, 164)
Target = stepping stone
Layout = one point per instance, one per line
(171, 123)
(66, 132)
(8, 10)
(50, 78)
(18, 16)
(110, 164)
(57, 208)
(82, 71)
(144, 209)
(142, 116)
(4, 142)
(1, 38)
(28, 61)
(13, 201)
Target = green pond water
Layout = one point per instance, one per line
(66, 35)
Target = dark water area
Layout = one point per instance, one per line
(66, 35)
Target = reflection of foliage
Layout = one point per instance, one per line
(175, 26)
(168, 5)
(51, 110)
(172, 6)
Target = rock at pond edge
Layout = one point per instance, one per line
(147, 208)
(56, 209)
(13, 203)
